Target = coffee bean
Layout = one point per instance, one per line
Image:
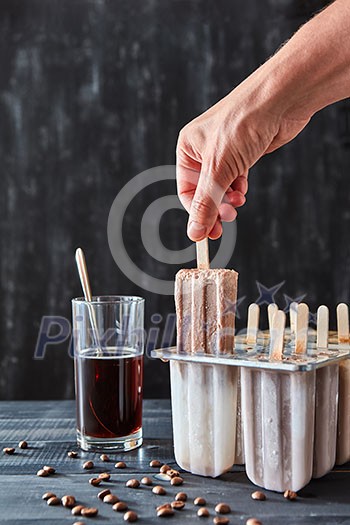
(104, 476)
(54, 501)
(42, 473)
(88, 465)
(181, 496)
(104, 457)
(68, 501)
(8, 450)
(76, 511)
(291, 495)
(50, 470)
(172, 473)
(133, 483)
(120, 464)
(103, 493)
(78, 523)
(199, 501)
(72, 454)
(130, 516)
(163, 506)
(95, 482)
(164, 468)
(176, 481)
(260, 496)
(218, 520)
(203, 512)
(253, 521)
(159, 490)
(177, 505)
(222, 508)
(89, 512)
(146, 481)
(110, 499)
(155, 463)
(22, 444)
(48, 495)
(165, 511)
(120, 506)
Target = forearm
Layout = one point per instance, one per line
(312, 70)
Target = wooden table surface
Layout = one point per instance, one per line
(49, 429)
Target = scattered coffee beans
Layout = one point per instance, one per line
(50, 470)
(95, 482)
(130, 516)
(110, 499)
(260, 496)
(164, 468)
(146, 481)
(203, 512)
(89, 512)
(176, 481)
(54, 501)
(48, 495)
(120, 506)
(253, 521)
(218, 520)
(181, 496)
(88, 465)
(199, 501)
(165, 511)
(42, 473)
(104, 476)
(22, 444)
(72, 454)
(120, 464)
(222, 508)
(103, 493)
(68, 501)
(76, 511)
(177, 505)
(8, 450)
(290, 494)
(132, 483)
(104, 457)
(155, 463)
(159, 490)
(172, 473)
(163, 506)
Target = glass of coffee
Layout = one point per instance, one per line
(108, 337)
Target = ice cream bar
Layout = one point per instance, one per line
(278, 416)
(343, 438)
(205, 302)
(326, 403)
(204, 397)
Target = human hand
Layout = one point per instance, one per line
(216, 150)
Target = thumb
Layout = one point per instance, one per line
(205, 204)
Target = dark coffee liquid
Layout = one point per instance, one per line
(109, 393)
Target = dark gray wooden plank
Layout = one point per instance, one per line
(323, 501)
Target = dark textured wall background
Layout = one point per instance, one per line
(92, 93)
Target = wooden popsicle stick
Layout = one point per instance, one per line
(271, 310)
(253, 323)
(277, 336)
(343, 323)
(301, 329)
(322, 326)
(293, 307)
(202, 250)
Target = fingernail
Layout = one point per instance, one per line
(195, 230)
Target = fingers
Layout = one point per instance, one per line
(205, 205)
